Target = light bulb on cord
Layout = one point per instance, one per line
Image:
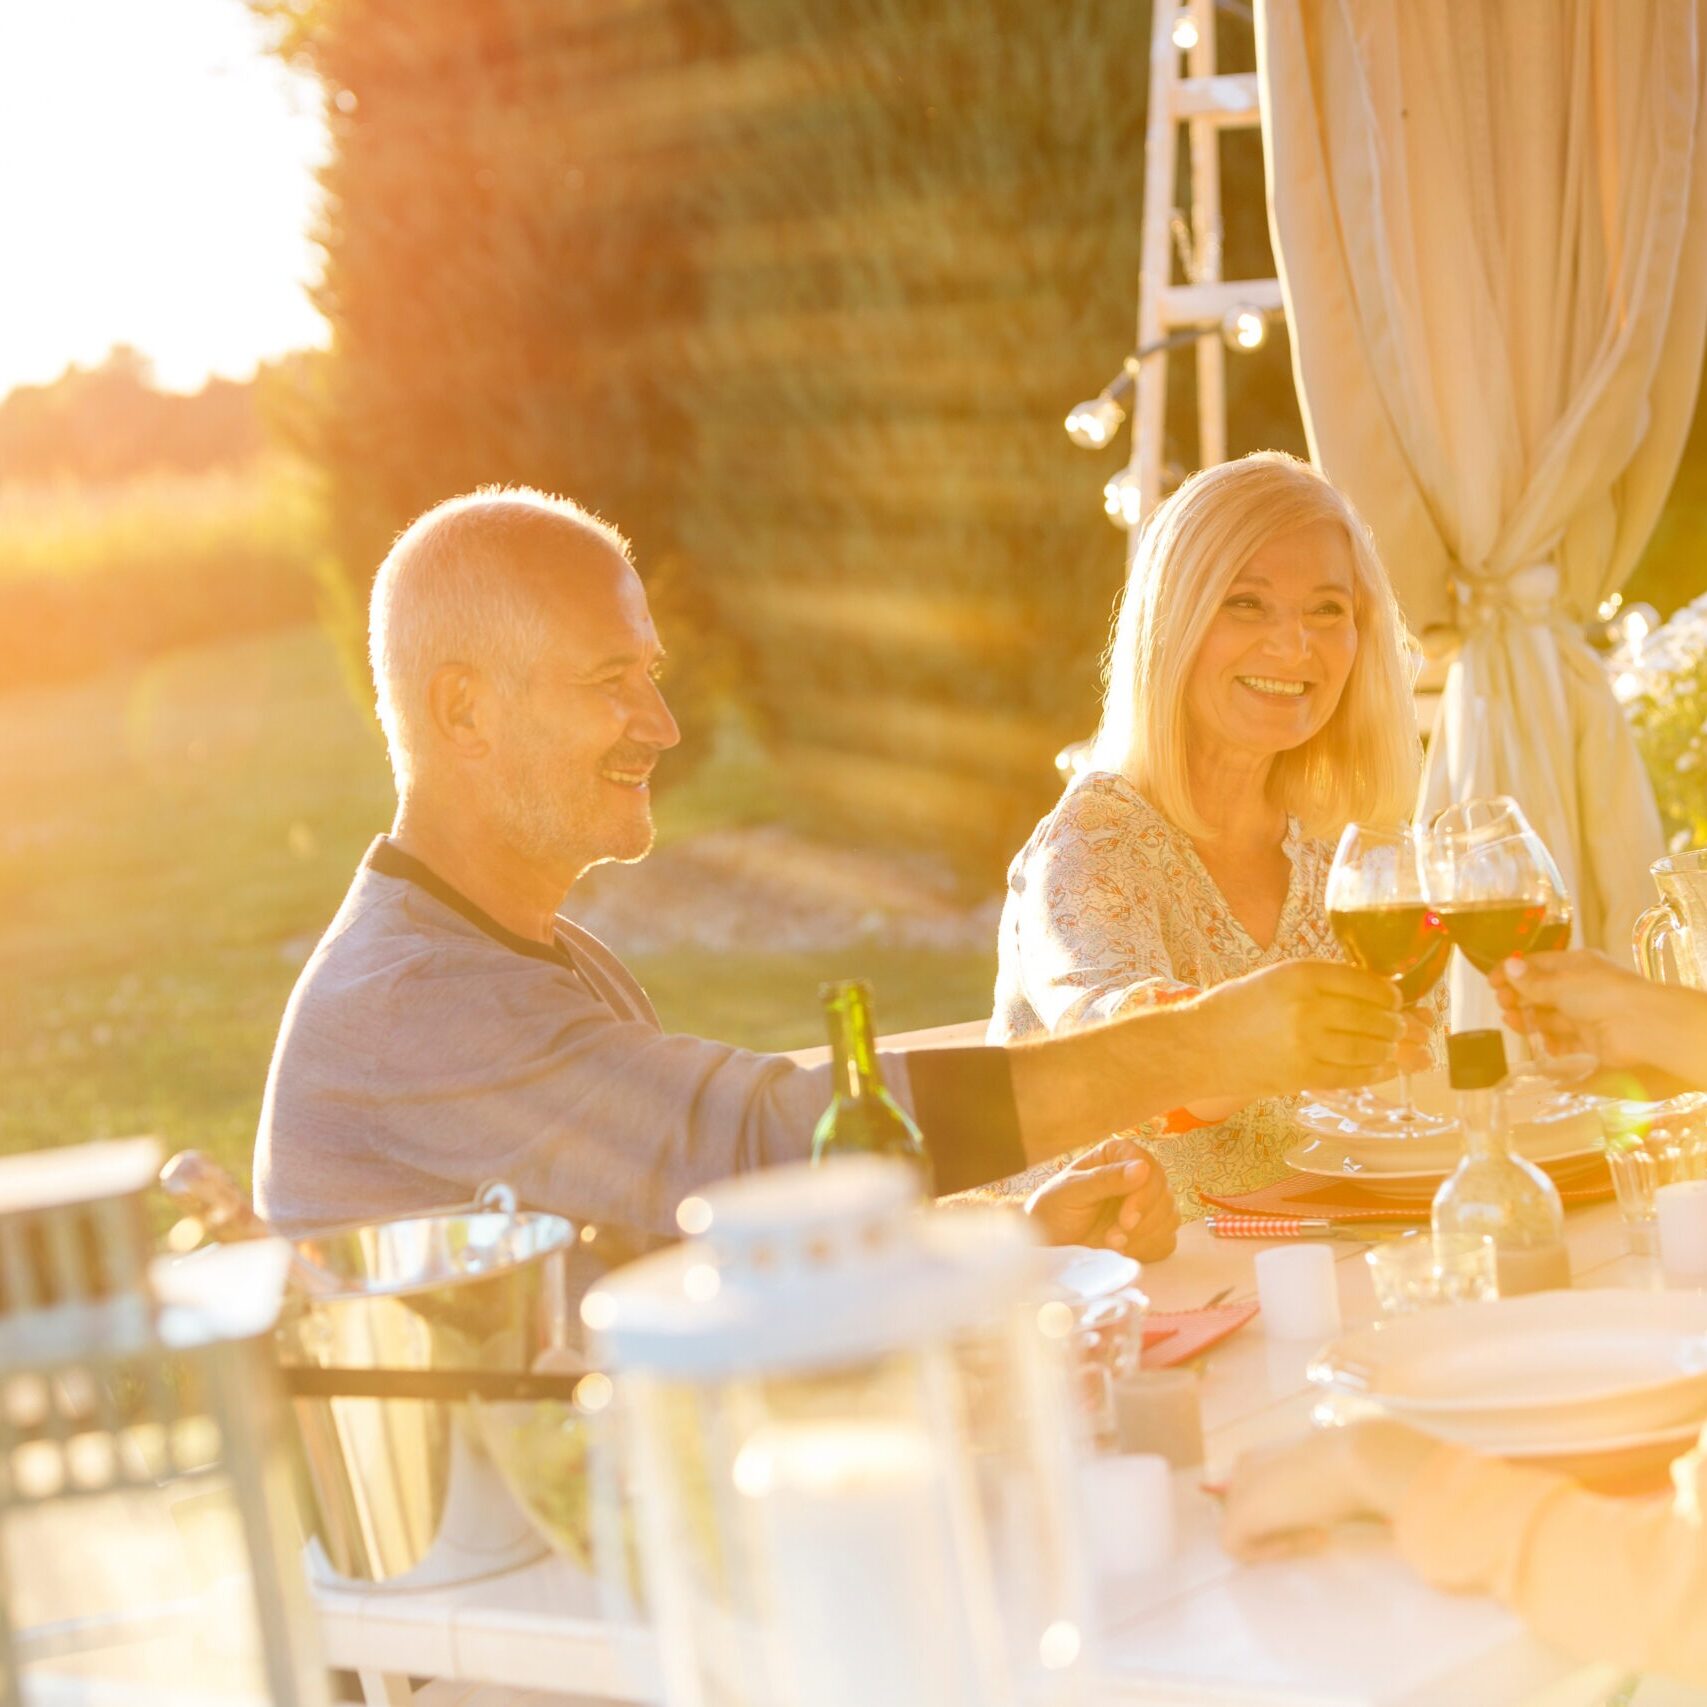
(1245, 329)
(1185, 32)
(1123, 499)
(1092, 425)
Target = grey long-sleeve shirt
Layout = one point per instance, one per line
(426, 1049)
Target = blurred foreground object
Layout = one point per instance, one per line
(146, 1511)
(850, 1447)
(429, 1311)
(390, 1328)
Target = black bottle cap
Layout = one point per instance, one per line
(1475, 1059)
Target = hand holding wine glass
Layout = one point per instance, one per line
(1380, 912)
(1499, 892)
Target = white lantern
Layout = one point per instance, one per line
(847, 1433)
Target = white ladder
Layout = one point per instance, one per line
(1170, 313)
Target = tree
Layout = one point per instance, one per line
(798, 293)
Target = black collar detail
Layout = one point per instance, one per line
(389, 860)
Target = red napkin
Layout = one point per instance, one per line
(1177, 1336)
(1401, 1200)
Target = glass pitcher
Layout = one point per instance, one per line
(1671, 936)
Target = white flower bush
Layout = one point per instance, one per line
(1661, 681)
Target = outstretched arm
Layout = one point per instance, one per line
(1305, 1024)
(1654, 1034)
(1615, 1580)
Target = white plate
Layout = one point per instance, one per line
(1617, 1464)
(1676, 1438)
(1552, 1366)
(1635, 1464)
(1080, 1274)
(1539, 1132)
(1397, 1163)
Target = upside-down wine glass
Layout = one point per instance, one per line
(1381, 915)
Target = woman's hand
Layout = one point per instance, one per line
(1115, 1195)
(1581, 1001)
(1283, 1499)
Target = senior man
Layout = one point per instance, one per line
(453, 1025)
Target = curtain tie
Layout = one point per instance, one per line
(1529, 595)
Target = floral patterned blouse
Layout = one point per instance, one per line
(1110, 908)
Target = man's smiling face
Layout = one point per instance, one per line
(578, 740)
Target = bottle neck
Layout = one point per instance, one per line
(1482, 1115)
(853, 1045)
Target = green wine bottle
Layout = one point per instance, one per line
(862, 1116)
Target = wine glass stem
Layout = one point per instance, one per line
(1407, 1102)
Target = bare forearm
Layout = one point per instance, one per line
(1266, 1034)
(1619, 1581)
(1667, 1028)
(1073, 1090)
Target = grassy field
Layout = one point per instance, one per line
(174, 837)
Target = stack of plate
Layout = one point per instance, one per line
(1339, 1146)
(1598, 1383)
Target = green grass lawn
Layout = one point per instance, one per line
(172, 841)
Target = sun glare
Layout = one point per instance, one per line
(156, 189)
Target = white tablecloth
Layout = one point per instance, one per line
(1350, 1626)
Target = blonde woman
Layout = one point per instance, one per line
(1258, 699)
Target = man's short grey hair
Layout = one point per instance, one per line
(470, 582)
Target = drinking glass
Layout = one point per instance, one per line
(1499, 893)
(1422, 1270)
(1650, 1144)
(1381, 915)
(1491, 879)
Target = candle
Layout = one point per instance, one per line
(1681, 1210)
(1161, 1411)
(1298, 1292)
(866, 1590)
(1127, 1502)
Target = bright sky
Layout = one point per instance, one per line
(156, 189)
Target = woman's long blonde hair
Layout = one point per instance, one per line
(1363, 764)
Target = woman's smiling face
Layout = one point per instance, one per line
(1278, 651)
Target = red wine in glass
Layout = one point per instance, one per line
(1486, 932)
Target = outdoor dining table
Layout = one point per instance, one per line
(1348, 1625)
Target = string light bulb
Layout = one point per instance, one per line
(1185, 32)
(1245, 328)
(1092, 425)
(1123, 499)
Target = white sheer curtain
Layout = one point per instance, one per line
(1490, 218)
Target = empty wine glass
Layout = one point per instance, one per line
(1380, 913)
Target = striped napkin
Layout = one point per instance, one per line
(1582, 1180)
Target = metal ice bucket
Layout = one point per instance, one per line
(416, 1314)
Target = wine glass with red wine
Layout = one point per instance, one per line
(1381, 914)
